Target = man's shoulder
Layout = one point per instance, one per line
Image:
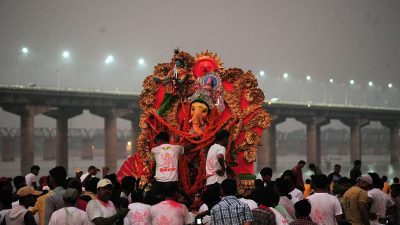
(232, 200)
(166, 146)
(216, 148)
(93, 202)
(75, 210)
(354, 190)
(29, 175)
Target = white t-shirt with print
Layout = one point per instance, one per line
(166, 157)
(95, 208)
(138, 214)
(171, 213)
(324, 208)
(212, 164)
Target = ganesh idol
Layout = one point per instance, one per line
(192, 98)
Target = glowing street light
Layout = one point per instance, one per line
(390, 85)
(66, 54)
(308, 77)
(285, 75)
(141, 61)
(347, 100)
(370, 83)
(24, 50)
(109, 59)
(328, 91)
(262, 73)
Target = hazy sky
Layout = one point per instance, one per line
(343, 39)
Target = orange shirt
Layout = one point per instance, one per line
(386, 188)
(307, 190)
(40, 207)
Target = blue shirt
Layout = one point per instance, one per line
(230, 211)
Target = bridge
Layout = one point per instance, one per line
(27, 102)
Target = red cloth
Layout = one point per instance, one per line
(81, 204)
(299, 176)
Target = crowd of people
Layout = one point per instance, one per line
(360, 199)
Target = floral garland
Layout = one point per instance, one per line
(189, 188)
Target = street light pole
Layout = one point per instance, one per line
(24, 51)
(302, 90)
(58, 76)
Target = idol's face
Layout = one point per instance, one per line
(199, 111)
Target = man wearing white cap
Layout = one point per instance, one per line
(355, 201)
(102, 210)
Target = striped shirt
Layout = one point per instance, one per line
(230, 211)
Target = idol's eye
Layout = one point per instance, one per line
(193, 109)
(204, 110)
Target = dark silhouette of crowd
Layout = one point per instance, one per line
(93, 199)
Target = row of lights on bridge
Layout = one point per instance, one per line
(110, 59)
(66, 55)
(308, 78)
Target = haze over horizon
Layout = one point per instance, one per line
(340, 39)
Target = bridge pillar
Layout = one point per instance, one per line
(135, 131)
(62, 115)
(134, 117)
(49, 145)
(355, 136)
(87, 149)
(394, 144)
(110, 132)
(266, 154)
(27, 114)
(7, 153)
(121, 148)
(314, 124)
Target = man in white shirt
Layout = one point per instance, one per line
(380, 201)
(69, 214)
(215, 164)
(325, 208)
(139, 211)
(166, 158)
(290, 176)
(101, 211)
(92, 171)
(30, 178)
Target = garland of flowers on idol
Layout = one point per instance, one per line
(189, 188)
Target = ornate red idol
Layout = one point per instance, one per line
(192, 98)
